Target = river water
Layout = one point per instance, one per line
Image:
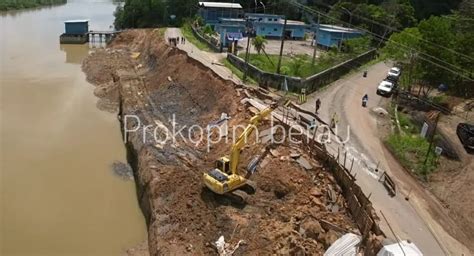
(58, 193)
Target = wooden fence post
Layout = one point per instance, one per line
(345, 156)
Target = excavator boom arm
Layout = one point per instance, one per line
(242, 140)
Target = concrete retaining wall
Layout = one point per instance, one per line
(73, 39)
(204, 40)
(295, 84)
(314, 82)
(358, 203)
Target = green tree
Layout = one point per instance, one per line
(463, 22)
(259, 43)
(426, 8)
(182, 9)
(199, 21)
(357, 45)
(403, 47)
(141, 14)
(438, 36)
(207, 30)
(295, 66)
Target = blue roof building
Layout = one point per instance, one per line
(271, 26)
(230, 30)
(331, 35)
(211, 12)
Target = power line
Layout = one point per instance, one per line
(396, 30)
(457, 72)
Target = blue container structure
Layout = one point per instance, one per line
(229, 20)
(230, 30)
(76, 32)
(332, 36)
(271, 26)
(76, 27)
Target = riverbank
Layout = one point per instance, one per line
(8, 5)
(62, 166)
(152, 83)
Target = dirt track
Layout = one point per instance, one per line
(292, 206)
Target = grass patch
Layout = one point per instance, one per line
(237, 71)
(187, 32)
(411, 152)
(411, 149)
(161, 31)
(406, 124)
(297, 65)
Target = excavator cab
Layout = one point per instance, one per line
(223, 164)
(224, 179)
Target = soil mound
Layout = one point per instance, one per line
(295, 210)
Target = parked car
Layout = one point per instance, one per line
(385, 88)
(394, 74)
(465, 133)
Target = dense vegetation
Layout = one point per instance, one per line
(187, 32)
(432, 39)
(411, 149)
(396, 13)
(6, 5)
(151, 13)
(422, 9)
(439, 50)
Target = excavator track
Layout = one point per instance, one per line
(238, 196)
(250, 187)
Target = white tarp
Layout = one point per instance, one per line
(347, 245)
(409, 249)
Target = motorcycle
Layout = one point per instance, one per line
(365, 99)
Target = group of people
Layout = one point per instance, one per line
(176, 40)
(334, 118)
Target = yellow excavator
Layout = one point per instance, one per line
(224, 178)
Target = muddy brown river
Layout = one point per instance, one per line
(58, 193)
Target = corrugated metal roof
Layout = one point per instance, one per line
(264, 15)
(338, 29)
(220, 5)
(232, 19)
(293, 22)
(75, 21)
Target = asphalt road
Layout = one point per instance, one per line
(417, 219)
(358, 126)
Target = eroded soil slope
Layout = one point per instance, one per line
(295, 209)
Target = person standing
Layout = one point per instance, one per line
(334, 120)
(318, 105)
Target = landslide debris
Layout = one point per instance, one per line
(298, 207)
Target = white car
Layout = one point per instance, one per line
(385, 88)
(394, 73)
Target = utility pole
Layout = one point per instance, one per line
(316, 41)
(282, 44)
(350, 24)
(431, 138)
(244, 78)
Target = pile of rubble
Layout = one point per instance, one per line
(298, 207)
